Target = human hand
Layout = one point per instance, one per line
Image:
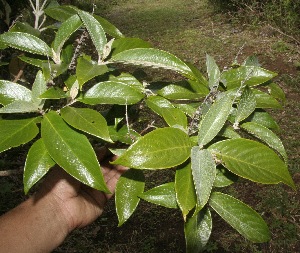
(80, 204)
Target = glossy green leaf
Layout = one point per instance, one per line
(60, 13)
(199, 87)
(38, 163)
(72, 151)
(241, 217)
(129, 80)
(157, 103)
(264, 100)
(112, 93)
(213, 72)
(64, 32)
(188, 109)
(130, 185)
(276, 92)
(19, 107)
(263, 118)
(123, 44)
(229, 132)
(123, 135)
(10, 92)
(159, 149)
(251, 61)
(214, 120)
(14, 133)
(109, 27)
(87, 120)
(163, 195)
(185, 189)
(252, 160)
(224, 177)
(246, 105)
(38, 88)
(33, 61)
(153, 58)
(250, 75)
(204, 173)
(178, 91)
(25, 28)
(53, 93)
(199, 81)
(95, 30)
(267, 136)
(26, 42)
(197, 231)
(174, 117)
(87, 69)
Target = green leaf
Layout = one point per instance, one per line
(251, 61)
(87, 69)
(53, 93)
(38, 88)
(26, 42)
(25, 28)
(19, 106)
(214, 120)
(276, 92)
(263, 118)
(64, 32)
(197, 231)
(204, 173)
(123, 44)
(95, 30)
(109, 27)
(157, 103)
(250, 75)
(188, 109)
(14, 133)
(252, 160)
(112, 93)
(241, 217)
(33, 61)
(87, 120)
(130, 185)
(174, 117)
(229, 132)
(163, 195)
(185, 190)
(153, 58)
(199, 87)
(60, 13)
(72, 151)
(263, 100)
(159, 149)
(267, 136)
(128, 79)
(224, 177)
(10, 92)
(179, 91)
(246, 105)
(213, 72)
(199, 82)
(38, 163)
(122, 135)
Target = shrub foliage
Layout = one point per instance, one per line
(216, 127)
